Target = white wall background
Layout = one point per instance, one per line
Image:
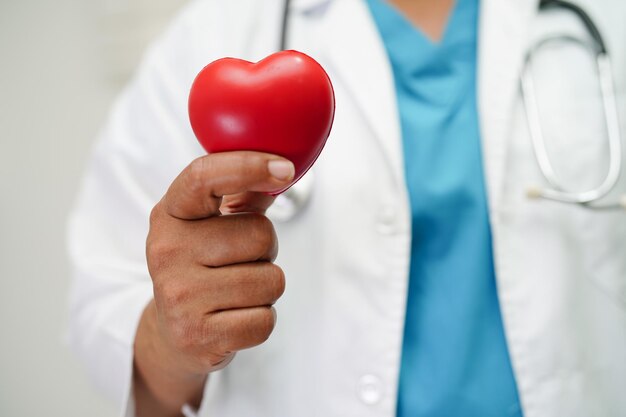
(61, 64)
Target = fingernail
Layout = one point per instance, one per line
(281, 170)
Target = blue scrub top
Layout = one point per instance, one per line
(455, 361)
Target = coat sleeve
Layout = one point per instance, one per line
(145, 143)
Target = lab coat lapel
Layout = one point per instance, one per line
(504, 29)
(355, 53)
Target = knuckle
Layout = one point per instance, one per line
(160, 253)
(155, 214)
(277, 281)
(195, 180)
(255, 164)
(170, 295)
(265, 324)
(264, 233)
(199, 181)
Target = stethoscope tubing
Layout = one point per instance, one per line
(285, 25)
(557, 192)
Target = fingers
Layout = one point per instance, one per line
(197, 192)
(213, 242)
(207, 290)
(211, 340)
(235, 330)
(255, 284)
(217, 311)
(236, 238)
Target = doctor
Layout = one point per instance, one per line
(421, 278)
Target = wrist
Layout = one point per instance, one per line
(160, 376)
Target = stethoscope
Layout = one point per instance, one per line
(556, 190)
(294, 199)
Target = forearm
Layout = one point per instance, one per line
(160, 389)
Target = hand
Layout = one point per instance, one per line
(210, 251)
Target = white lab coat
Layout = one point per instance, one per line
(561, 269)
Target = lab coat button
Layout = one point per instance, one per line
(370, 389)
(386, 220)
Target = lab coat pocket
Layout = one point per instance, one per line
(581, 157)
(603, 229)
(603, 233)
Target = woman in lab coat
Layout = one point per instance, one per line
(337, 347)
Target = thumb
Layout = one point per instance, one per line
(246, 202)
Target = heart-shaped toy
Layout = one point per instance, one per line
(283, 104)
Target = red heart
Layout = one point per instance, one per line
(284, 105)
